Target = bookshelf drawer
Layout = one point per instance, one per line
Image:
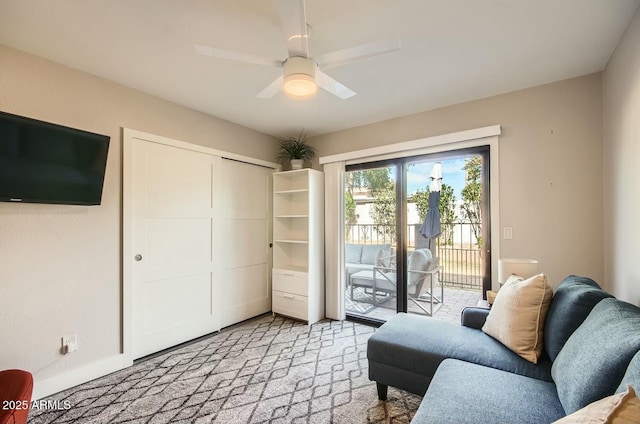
(290, 282)
(290, 304)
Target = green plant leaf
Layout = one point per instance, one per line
(295, 148)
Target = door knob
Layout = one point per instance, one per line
(138, 257)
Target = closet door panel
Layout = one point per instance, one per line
(246, 257)
(173, 268)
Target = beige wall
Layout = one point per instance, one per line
(621, 142)
(60, 266)
(550, 167)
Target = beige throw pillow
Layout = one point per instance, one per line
(623, 408)
(517, 316)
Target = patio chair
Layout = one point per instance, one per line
(422, 268)
(385, 259)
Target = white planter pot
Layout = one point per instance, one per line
(297, 163)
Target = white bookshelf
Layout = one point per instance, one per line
(298, 244)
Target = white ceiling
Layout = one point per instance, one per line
(452, 51)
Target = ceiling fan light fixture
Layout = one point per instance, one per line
(300, 85)
(299, 77)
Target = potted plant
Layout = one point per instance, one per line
(295, 150)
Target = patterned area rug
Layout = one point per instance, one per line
(268, 370)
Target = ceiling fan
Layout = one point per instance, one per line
(301, 74)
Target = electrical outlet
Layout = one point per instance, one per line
(69, 343)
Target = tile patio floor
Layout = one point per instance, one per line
(454, 301)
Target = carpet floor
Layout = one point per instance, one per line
(267, 370)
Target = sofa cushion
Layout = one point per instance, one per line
(419, 344)
(517, 316)
(621, 408)
(474, 316)
(352, 253)
(370, 253)
(595, 358)
(461, 392)
(631, 376)
(572, 302)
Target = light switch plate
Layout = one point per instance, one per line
(69, 343)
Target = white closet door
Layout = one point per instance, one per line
(245, 209)
(174, 286)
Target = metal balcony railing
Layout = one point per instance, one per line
(457, 249)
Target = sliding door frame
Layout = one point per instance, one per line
(400, 177)
(334, 167)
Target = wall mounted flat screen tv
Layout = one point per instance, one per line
(42, 162)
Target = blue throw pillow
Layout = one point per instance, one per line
(572, 302)
(595, 358)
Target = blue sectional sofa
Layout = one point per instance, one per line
(591, 351)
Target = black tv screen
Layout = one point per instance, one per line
(42, 162)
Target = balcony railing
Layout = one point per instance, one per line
(457, 248)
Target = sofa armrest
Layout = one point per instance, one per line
(474, 316)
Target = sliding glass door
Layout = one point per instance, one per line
(415, 232)
(371, 240)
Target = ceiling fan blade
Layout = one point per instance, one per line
(333, 86)
(352, 54)
(235, 56)
(294, 27)
(272, 89)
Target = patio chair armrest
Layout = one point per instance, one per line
(431, 271)
(474, 316)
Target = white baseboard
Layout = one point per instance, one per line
(49, 386)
